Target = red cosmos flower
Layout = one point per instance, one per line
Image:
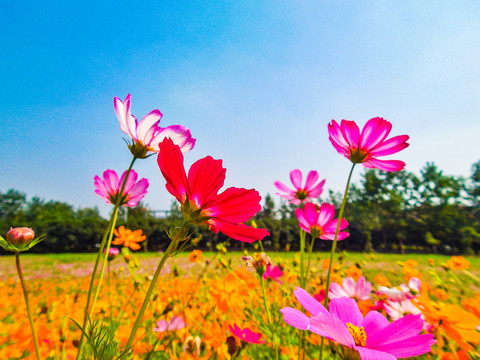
(371, 143)
(199, 196)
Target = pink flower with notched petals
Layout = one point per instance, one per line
(198, 194)
(109, 188)
(371, 143)
(300, 194)
(370, 337)
(146, 134)
(246, 335)
(355, 290)
(319, 221)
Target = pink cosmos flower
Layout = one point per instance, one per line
(112, 253)
(398, 309)
(319, 221)
(355, 290)
(371, 143)
(108, 188)
(372, 336)
(246, 335)
(175, 323)
(402, 292)
(274, 273)
(146, 134)
(198, 194)
(301, 194)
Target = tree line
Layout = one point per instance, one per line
(387, 212)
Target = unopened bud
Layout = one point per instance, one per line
(20, 236)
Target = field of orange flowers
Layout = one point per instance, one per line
(201, 299)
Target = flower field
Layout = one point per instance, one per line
(254, 305)
(212, 292)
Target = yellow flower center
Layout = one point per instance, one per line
(358, 334)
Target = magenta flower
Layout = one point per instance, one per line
(246, 335)
(365, 147)
(109, 188)
(319, 221)
(372, 336)
(146, 134)
(355, 290)
(274, 273)
(300, 194)
(175, 323)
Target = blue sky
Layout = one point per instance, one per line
(257, 82)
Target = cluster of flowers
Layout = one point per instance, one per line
(184, 305)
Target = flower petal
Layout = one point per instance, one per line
(312, 178)
(205, 177)
(401, 329)
(170, 161)
(296, 178)
(309, 303)
(295, 318)
(239, 232)
(410, 347)
(347, 310)
(179, 134)
(370, 354)
(351, 133)
(374, 132)
(145, 126)
(385, 165)
(235, 205)
(333, 328)
(390, 146)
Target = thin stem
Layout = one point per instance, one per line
(334, 246)
(173, 243)
(269, 317)
(111, 224)
(27, 303)
(105, 260)
(109, 289)
(310, 250)
(302, 255)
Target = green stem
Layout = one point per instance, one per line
(269, 317)
(105, 260)
(27, 303)
(303, 234)
(109, 290)
(334, 246)
(310, 250)
(173, 243)
(302, 255)
(111, 224)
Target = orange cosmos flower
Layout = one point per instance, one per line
(458, 263)
(128, 237)
(195, 256)
(354, 272)
(451, 321)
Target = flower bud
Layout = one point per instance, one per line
(112, 253)
(20, 236)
